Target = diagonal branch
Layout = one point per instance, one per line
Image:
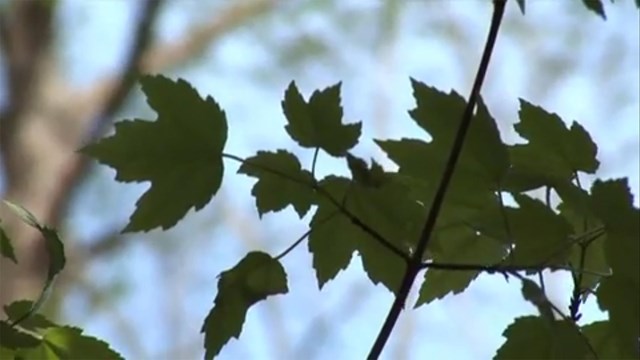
(414, 265)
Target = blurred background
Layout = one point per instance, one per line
(68, 72)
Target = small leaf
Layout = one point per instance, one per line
(318, 123)
(363, 175)
(66, 342)
(253, 279)
(534, 294)
(55, 250)
(6, 248)
(533, 337)
(333, 236)
(595, 6)
(281, 182)
(180, 153)
(17, 309)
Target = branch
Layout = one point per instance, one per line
(414, 265)
(506, 269)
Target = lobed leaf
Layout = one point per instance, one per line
(180, 153)
(318, 122)
(281, 182)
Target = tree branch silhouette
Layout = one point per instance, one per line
(415, 263)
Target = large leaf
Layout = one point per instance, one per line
(281, 182)
(533, 337)
(619, 294)
(180, 153)
(318, 122)
(253, 279)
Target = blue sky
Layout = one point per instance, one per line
(347, 314)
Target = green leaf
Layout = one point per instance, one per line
(14, 339)
(333, 236)
(318, 123)
(17, 309)
(619, 294)
(541, 236)
(521, 5)
(553, 153)
(533, 337)
(253, 279)
(385, 210)
(604, 340)
(180, 153)
(534, 294)
(6, 249)
(281, 182)
(363, 175)
(66, 342)
(55, 250)
(457, 245)
(484, 155)
(391, 213)
(595, 6)
(576, 210)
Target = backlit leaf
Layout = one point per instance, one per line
(180, 153)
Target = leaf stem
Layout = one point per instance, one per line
(414, 265)
(314, 161)
(304, 236)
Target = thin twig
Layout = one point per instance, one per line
(414, 265)
(502, 269)
(304, 236)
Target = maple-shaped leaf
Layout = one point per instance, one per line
(534, 337)
(484, 156)
(540, 234)
(281, 182)
(386, 210)
(180, 153)
(318, 122)
(604, 341)
(553, 152)
(619, 294)
(362, 174)
(253, 279)
(457, 245)
(66, 342)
